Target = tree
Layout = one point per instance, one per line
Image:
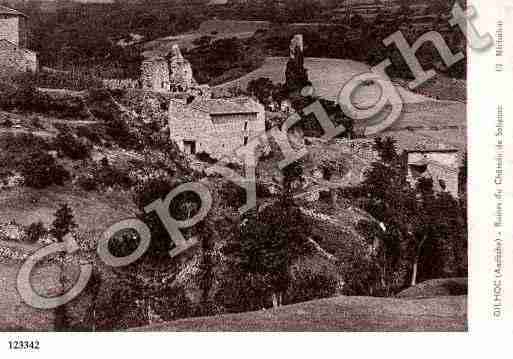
(269, 239)
(262, 88)
(63, 225)
(93, 288)
(386, 149)
(425, 233)
(40, 170)
(36, 231)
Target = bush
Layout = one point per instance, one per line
(7, 123)
(119, 130)
(16, 149)
(71, 146)
(93, 134)
(40, 170)
(87, 183)
(103, 174)
(309, 285)
(75, 79)
(205, 157)
(36, 122)
(25, 96)
(36, 231)
(111, 176)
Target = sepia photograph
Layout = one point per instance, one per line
(233, 166)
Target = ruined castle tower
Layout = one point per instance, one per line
(296, 75)
(155, 74)
(172, 73)
(180, 72)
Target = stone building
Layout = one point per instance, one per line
(423, 157)
(14, 57)
(13, 26)
(440, 165)
(215, 126)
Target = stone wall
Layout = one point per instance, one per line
(361, 148)
(10, 29)
(15, 60)
(121, 84)
(234, 131)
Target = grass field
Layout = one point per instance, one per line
(93, 212)
(340, 314)
(443, 120)
(217, 29)
(16, 315)
(327, 75)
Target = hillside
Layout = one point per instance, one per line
(339, 314)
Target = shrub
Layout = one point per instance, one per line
(36, 122)
(87, 183)
(93, 134)
(309, 285)
(36, 231)
(7, 123)
(205, 157)
(103, 174)
(111, 176)
(119, 130)
(40, 170)
(16, 149)
(25, 96)
(71, 146)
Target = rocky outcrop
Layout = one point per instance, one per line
(296, 75)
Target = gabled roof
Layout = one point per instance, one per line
(8, 11)
(221, 107)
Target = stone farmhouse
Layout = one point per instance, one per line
(441, 165)
(14, 57)
(216, 127)
(423, 158)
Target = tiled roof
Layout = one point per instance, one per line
(221, 107)
(7, 11)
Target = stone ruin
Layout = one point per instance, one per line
(171, 73)
(180, 72)
(296, 75)
(155, 74)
